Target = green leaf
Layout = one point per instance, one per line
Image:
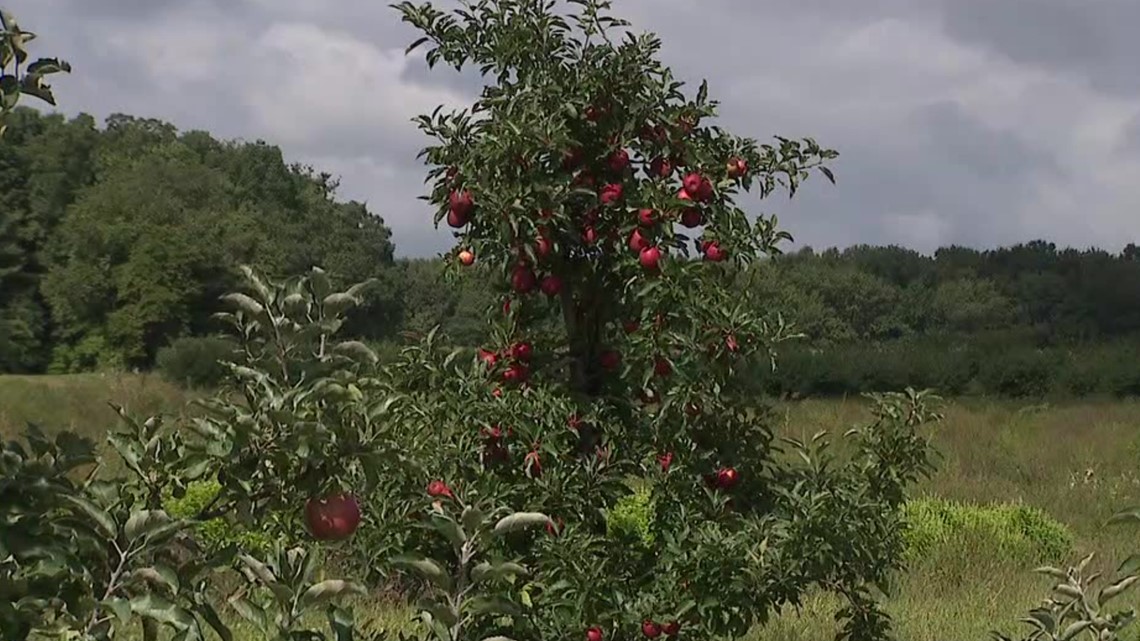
(326, 591)
(45, 66)
(495, 571)
(160, 575)
(250, 612)
(472, 518)
(120, 607)
(1114, 590)
(153, 606)
(210, 615)
(426, 568)
(245, 303)
(827, 172)
(103, 521)
(520, 521)
(450, 530)
(492, 605)
(144, 522)
(441, 612)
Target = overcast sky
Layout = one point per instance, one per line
(975, 122)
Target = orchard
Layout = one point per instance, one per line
(598, 471)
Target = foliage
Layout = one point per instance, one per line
(196, 362)
(631, 518)
(1016, 531)
(18, 77)
(217, 533)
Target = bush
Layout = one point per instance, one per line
(196, 361)
(216, 533)
(631, 518)
(1019, 532)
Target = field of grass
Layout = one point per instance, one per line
(1078, 462)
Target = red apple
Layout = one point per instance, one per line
(650, 258)
(631, 326)
(684, 195)
(571, 158)
(692, 217)
(637, 241)
(551, 285)
(439, 488)
(646, 217)
(609, 359)
(523, 280)
(332, 518)
(671, 628)
(516, 373)
(456, 219)
(691, 184)
(466, 257)
(705, 191)
(737, 167)
(543, 246)
(460, 202)
(546, 214)
(714, 253)
(594, 114)
(618, 161)
(660, 168)
(590, 235)
(730, 343)
(650, 629)
(488, 357)
(493, 433)
(522, 351)
(611, 193)
(594, 634)
(727, 477)
(662, 367)
(665, 460)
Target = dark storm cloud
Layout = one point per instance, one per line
(976, 122)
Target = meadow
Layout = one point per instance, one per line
(1074, 460)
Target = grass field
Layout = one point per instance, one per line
(1076, 461)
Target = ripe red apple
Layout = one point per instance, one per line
(571, 158)
(672, 628)
(590, 235)
(691, 184)
(594, 633)
(439, 488)
(523, 280)
(546, 214)
(637, 241)
(684, 195)
(650, 629)
(662, 367)
(660, 168)
(631, 326)
(497, 392)
(551, 285)
(584, 179)
(611, 193)
(692, 217)
(714, 253)
(543, 246)
(516, 373)
(727, 478)
(730, 343)
(466, 258)
(650, 258)
(522, 351)
(609, 359)
(457, 219)
(488, 357)
(594, 114)
(737, 167)
(493, 433)
(460, 202)
(665, 460)
(618, 161)
(332, 518)
(705, 191)
(554, 526)
(646, 217)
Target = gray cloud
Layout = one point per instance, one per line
(958, 121)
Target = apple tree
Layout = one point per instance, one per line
(18, 76)
(603, 201)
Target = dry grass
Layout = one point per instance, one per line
(1076, 461)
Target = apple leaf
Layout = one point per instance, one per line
(449, 529)
(105, 523)
(495, 571)
(326, 591)
(426, 568)
(520, 521)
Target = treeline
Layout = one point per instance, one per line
(116, 241)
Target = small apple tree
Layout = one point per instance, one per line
(18, 77)
(602, 200)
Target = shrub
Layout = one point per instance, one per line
(1018, 531)
(631, 518)
(218, 532)
(197, 361)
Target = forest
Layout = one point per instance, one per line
(117, 239)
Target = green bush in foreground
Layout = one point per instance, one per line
(1019, 532)
(215, 533)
